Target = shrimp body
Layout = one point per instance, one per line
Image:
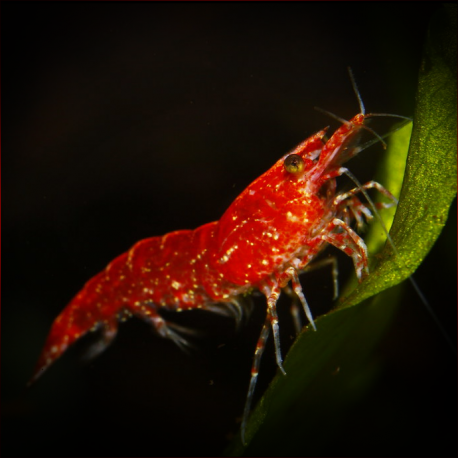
(272, 231)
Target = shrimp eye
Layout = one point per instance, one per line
(294, 164)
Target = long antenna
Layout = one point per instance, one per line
(355, 88)
(361, 103)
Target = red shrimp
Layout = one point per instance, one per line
(272, 231)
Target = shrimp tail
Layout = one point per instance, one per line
(95, 307)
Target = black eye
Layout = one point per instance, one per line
(294, 164)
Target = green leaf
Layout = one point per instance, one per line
(329, 370)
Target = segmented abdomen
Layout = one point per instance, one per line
(170, 271)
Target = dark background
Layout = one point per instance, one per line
(126, 120)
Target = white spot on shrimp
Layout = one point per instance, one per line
(176, 285)
(292, 217)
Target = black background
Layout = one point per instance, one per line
(126, 120)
